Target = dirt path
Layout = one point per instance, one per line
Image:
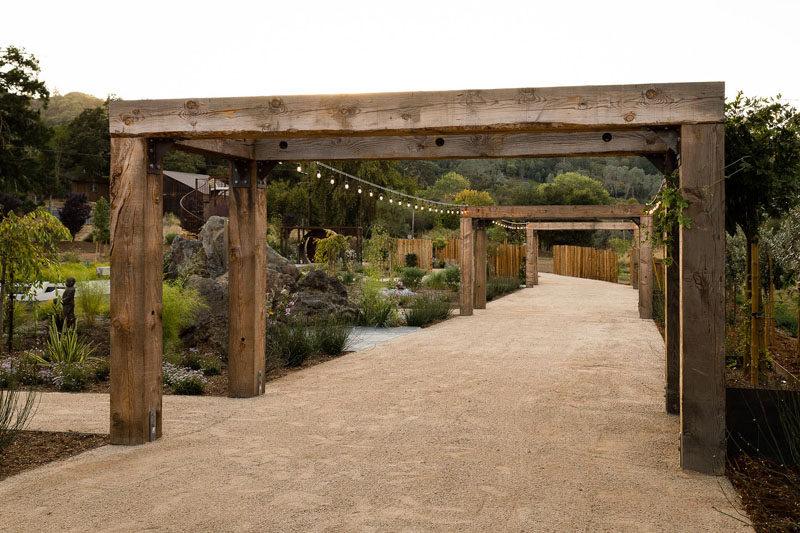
(542, 413)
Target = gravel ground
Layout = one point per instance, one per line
(542, 413)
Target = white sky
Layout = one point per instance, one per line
(176, 49)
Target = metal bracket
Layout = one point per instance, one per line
(240, 173)
(153, 418)
(260, 382)
(156, 148)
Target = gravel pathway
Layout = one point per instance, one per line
(542, 413)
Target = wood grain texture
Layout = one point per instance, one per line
(635, 259)
(439, 112)
(222, 148)
(702, 311)
(479, 291)
(247, 281)
(136, 257)
(646, 268)
(551, 212)
(672, 333)
(467, 265)
(570, 226)
(535, 257)
(530, 253)
(486, 145)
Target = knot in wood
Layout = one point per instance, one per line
(191, 105)
(116, 172)
(136, 111)
(630, 116)
(349, 111)
(276, 105)
(650, 94)
(526, 94)
(127, 120)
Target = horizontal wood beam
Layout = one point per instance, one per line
(222, 148)
(414, 113)
(556, 212)
(492, 145)
(569, 226)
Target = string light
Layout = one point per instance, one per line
(359, 189)
(380, 197)
(346, 185)
(370, 194)
(299, 168)
(319, 174)
(333, 181)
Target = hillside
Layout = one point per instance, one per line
(64, 107)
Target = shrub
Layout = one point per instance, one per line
(101, 369)
(92, 302)
(100, 221)
(435, 280)
(412, 260)
(64, 348)
(208, 363)
(169, 237)
(411, 277)
(178, 309)
(452, 276)
(786, 315)
(75, 212)
(347, 278)
(498, 286)
(330, 249)
(16, 411)
(292, 343)
(183, 380)
(374, 308)
(428, 308)
(212, 366)
(69, 377)
(331, 337)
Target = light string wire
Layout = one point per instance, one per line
(420, 203)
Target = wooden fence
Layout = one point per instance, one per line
(451, 252)
(582, 262)
(423, 248)
(505, 260)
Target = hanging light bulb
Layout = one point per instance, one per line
(391, 200)
(333, 181)
(408, 204)
(370, 194)
(359, 189)
(346, 185)
(319, 174)
(299, 168)
(380, 197)
(416, 206)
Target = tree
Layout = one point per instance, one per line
(22, 132)
(75, 212)
(88, 144)
(473, 197)
(100, 221)
(762, 164)
(572, 188)
(446, 187)
(28, 244)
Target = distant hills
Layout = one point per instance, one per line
(64, 107)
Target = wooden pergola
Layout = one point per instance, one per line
(665, 122)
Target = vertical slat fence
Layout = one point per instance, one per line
(583, 262)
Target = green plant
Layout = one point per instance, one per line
(183, 380)
(178, 308)
(169, 237)
(65, 348)
(452, 276)
(411, 277)
(347, 278)
(786, 314)
(92, 301)
(15, 413)
(292, 343)
(667, 207)
(330, 250)
(435, 280)
(212, 366)
(428, 308)
(208, 363)
(101, 369)
(100, 221)
(331, 336)
(374, 308)
(498, 286)
(69, 377)
(412, 260)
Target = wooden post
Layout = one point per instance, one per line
(467, 264)
(672, 327)
(755, 309)
(646, 268)
(535, 257)
(635, 260)
(702, 299)
(770, 329)
(247, 282)
(479, 294)
(136, 258)
(530, 253)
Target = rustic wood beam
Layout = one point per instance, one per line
(439, 112)
(646, 268)
(635, 259)
(591, 225)
(222, 148)
(479, 293)
(702, 300)
(535, 257)
(485, 145)
(247, 281)
(672, 329)
(530, 254)
(136, 257)
(467, 264)
(555, 212)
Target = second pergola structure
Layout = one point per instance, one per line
(660, 121)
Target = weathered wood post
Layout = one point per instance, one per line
(136, 259)
(467, 265)
(635, 260)
(646, 267)
(247, 278)
(479, 296)
(535, 257)
(530, 256)
(672, 327)
(702, 299)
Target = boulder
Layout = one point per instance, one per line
(185, 257)
(320, 295)
(214, 240)
(210, 327)
(278, 263)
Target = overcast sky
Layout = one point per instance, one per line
(176, 49)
